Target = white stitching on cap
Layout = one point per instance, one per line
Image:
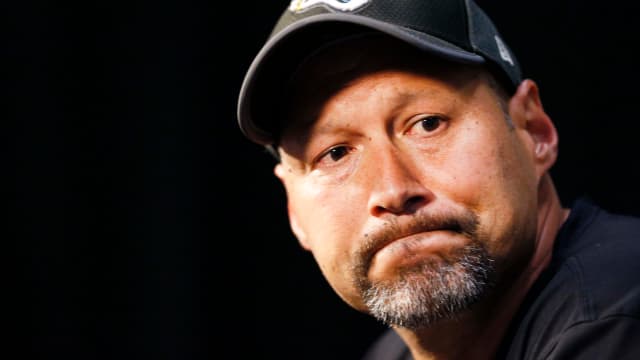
(504, 52)
(297, 6)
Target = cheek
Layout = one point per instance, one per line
(332, 222)
(329, 218)
(502, 187)
(487, 163)
(469, 172)
(491, 175)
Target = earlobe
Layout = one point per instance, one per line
(528, 114)
(278, 170)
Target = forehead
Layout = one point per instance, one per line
(336, 66)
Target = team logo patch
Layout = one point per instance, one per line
(340, 5)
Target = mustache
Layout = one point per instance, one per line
(462, 221)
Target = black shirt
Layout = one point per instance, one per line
(585, 305)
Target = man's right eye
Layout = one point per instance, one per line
(334, 154)
(337, 153)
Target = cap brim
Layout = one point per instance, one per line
(278, 57)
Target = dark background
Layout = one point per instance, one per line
(147, 227)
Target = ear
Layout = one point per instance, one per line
(527, 112)
(297, 230)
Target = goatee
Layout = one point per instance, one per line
(433, 289)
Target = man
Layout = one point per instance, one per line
(415, 160)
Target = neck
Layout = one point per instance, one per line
(478, 333)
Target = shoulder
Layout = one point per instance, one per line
(615, 336)
(589, 296)
(604, 265)
(592, 228)
(598, 248)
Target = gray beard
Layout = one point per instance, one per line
(431, 291)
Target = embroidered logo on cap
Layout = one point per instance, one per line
(504, 52)
(340, 5)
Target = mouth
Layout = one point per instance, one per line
(432, 237)
(397, 237)
(394, 237)
(433, 245)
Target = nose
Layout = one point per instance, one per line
(397, 186)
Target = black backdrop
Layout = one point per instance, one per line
(147, 227)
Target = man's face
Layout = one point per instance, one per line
(411, 188)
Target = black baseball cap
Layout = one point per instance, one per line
(457, 30)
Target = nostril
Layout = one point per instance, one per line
(399, 189)
(413, 204)
(409, 206)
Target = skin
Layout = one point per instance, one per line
(380, 146)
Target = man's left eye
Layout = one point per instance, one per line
(430, 123)
(427, 125)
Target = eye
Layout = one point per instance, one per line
(427, 124)
(430, 123)
(337, 153)
(334, 154)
